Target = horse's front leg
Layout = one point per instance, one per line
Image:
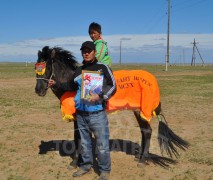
(146, 133)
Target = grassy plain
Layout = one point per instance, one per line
(26, 120)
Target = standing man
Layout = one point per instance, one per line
(91, 116)
(102, 52)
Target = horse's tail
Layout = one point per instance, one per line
(168, 140)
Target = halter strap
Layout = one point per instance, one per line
(43, 79)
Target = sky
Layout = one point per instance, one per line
(135, 30)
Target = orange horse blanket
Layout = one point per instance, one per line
(136, 89)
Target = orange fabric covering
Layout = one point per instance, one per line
(68, 106)
(136, 89)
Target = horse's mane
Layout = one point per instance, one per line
(63, 56)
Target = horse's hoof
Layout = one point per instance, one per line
(136, 159)
(141, 165)
(71, 167)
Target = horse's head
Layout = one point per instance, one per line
(57, 64)
(43, 69)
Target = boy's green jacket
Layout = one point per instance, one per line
(102, 53)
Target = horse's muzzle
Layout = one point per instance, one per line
(40, 92)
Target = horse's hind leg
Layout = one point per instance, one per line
(77, 139)
(146, 132)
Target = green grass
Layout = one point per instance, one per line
(16, 70)
(161, 68)
(186, 84)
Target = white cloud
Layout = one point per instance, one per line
(136, 48)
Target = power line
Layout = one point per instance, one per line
(186, 4)
(153, 21)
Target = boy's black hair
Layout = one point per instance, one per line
(94, 26)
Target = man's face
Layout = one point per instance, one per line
(88, 54)
(94, 35)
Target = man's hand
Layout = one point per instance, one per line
(51, 83)
(93, 97)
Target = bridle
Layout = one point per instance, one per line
(40, 69)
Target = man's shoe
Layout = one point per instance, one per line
(80, 172)
(104, 176)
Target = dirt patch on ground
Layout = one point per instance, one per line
(32, 135)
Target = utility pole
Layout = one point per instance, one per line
(193, 53)
(183, 57)
(168, 31)
(122, 39)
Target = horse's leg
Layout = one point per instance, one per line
(77, 139)
(146, 132)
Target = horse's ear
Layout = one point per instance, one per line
(53, 54)
(39, 53)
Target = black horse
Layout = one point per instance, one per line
(60, 65)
